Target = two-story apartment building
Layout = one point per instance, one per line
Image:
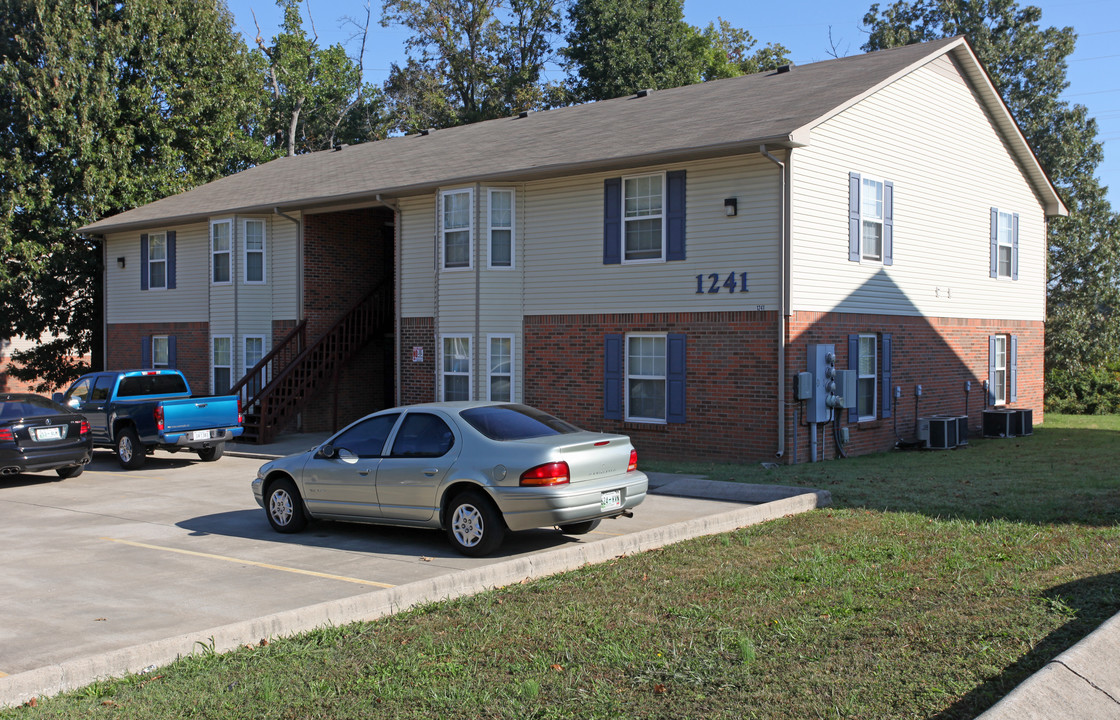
(662, 265)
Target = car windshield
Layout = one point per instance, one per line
(29, 406)
(515, 422)
(151, 385)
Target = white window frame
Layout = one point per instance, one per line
(491, 227)
(664, 378)
(444, 373)
(662, 216)
(246, 252)
(163, 340)
(246, 366)
(874, 375)
(880, 221)
(214, 362)
(228, 252)
(1005, 243)
(490, 374)
(444, 230)
(152, 238)
(1002, 372)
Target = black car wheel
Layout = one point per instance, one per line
(130, 453)
(284, 507)
(474, 526)
(580, 528)
(70, 472)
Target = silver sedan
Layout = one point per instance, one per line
(474, 469)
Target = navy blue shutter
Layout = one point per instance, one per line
(146, 351)
(1015, 247)
(612, 378)
(143, 262)
(991, 369)
(1013, 369)
(675, 376)
(675, 216)
(171, 260)
(995, 243)
(171, 359)
(853, 364)
(612, 221)
(888, 223)
(885, 369)
(853, 217)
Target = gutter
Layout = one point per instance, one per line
(783, 304)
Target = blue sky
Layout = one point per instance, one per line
(801, 25)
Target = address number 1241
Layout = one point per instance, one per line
(713, 283)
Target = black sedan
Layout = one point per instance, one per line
(38, 434)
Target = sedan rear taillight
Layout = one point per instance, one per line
(159, 418)
(633, 461)
(553, 473)
(84, 429)
(7, 434)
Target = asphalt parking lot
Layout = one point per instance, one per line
(114, 560)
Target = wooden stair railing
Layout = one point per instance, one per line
(273, 391)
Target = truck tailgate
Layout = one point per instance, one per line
(187, 414)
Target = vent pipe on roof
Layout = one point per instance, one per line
(338, 147)
(643, 93)
(426, 131)
(785, 68)
(523, 114)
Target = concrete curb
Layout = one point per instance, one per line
(1082, 682)
(73, 674)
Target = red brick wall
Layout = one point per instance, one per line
(192, 349)
(418, 378)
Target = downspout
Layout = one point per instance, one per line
(476, 346)
(396, 208)
(783, 307)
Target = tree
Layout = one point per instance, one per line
(469, 60)
(104, 106)
(728, 49)
(1027, 64)
(318, 98)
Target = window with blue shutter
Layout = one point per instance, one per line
(172, 350)
(612, 222)
(870, 219)
(1003, 369)
(170, 259)
(853, 217)
(1013, 369)
(675, 376)
(675, 232)
(888, 223)
(870, 356)
(143, 262)
(885, 369)
(644, 218)
(853, 364)
(612, 378)
(1004, 239)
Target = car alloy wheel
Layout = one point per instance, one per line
(473, 524)
(284, 507)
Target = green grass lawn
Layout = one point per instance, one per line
(936, 583)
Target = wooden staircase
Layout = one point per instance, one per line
(279, 386)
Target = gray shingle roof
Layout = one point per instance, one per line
(713, 118)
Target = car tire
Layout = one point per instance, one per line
(579, 528)
(70, 472)
(211, 453)
(130, 453)
(284, 507)
(474, 526)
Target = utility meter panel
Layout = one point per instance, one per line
(822, 364)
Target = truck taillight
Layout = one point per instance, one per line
(159, 417)
(633, 461)
(553, 473)
(240, 416)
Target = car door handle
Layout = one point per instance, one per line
(365, 472)
(431, 472)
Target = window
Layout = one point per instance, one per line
(501, 228)
(254, 353)
(1005, 244)
(254, 251)
(223, 364)
(221, 243)
(456, 367)
(455, 219)
(367, 437)
(515, 422)
(870, 219)
(1003, 369)
(869, 354)
(161, 356)
(101, 387)
(157, 261)
(499, 359)
(642, 219)
(422, 435)
(645, 378)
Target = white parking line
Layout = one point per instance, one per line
(239, 561)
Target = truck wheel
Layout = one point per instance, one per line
(284, 507)
(130, 453)
(211, 453)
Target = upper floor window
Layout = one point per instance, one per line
(254, 251)
(157, 261)
(642, 217)
(221, 243)
(1005, 244)
(870, 219)
(455, 223)
(501, 227)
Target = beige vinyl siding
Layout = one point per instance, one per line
(417, 256)
(282, 266)
(928, 135)
(125, 302)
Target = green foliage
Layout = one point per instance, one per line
(104, 106)
(1092, 391)
(728, 52)
(1027, 64)
(469, 60)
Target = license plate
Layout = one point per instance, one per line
(611, 499)
(51, 433)
(200, 435)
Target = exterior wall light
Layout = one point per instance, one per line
(731, 207)
(120, 262)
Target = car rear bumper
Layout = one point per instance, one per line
(41, 460)
(186, 440)
(530, 507)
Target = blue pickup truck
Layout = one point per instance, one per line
(136, 412)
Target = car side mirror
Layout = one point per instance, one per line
(326, 451)
(74, 402)
(57, 397)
